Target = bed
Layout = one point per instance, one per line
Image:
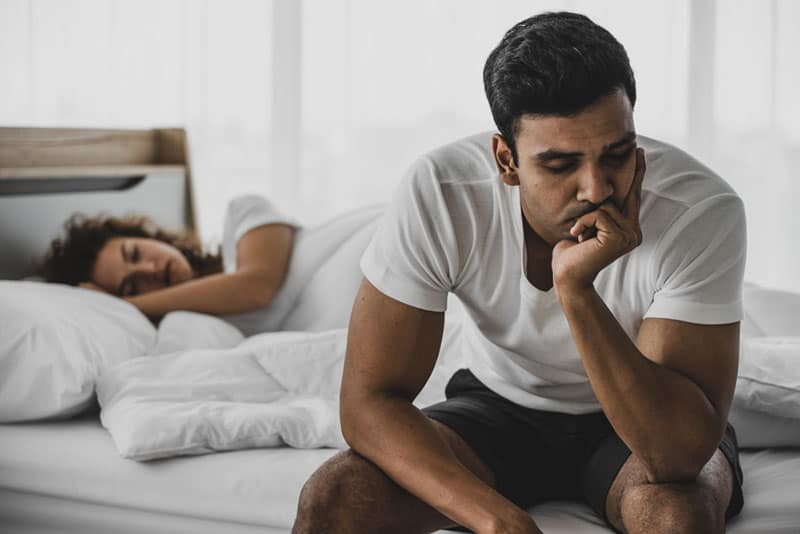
(69, 475)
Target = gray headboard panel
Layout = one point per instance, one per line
(48, 174)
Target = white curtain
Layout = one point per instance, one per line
(322, 104)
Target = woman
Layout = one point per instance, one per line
(159, 271)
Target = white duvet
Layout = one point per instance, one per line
(269, 390)
(282, 388)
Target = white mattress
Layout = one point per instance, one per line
(68, 477)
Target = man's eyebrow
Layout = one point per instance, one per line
(552, 154)
(626, 139)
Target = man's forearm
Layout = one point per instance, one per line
(664, 417)
(405, 445)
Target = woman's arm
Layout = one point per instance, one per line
(262, 260)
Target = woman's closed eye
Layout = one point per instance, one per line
(131, 254)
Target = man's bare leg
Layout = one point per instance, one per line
(635, 506)
(350, 494)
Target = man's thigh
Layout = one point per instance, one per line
(349, 493)
(531, 454)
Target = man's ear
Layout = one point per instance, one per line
(504, 160)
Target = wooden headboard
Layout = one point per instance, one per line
(47, 174)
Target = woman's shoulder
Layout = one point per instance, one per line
(244, 213)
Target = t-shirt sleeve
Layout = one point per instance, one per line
(413, 256)
(245, 213)
(699, 264)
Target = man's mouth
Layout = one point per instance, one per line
(572, 220)
(167, 274)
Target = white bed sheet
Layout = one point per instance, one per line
(68, 477)
(76, 462)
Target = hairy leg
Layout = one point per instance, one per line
(350, 494)
(636, 506)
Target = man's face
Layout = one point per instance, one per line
(568, 166)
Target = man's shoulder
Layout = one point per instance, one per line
(684, 204)
(676, 176)
(458, 181)
(465, 161)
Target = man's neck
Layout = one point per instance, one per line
(540, 254)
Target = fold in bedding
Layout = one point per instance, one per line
(281, 389)
(271, 390)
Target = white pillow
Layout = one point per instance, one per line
(766, 403)
(184, 330)
(54, 342)
(770, 312)
(769, 376)
(759, 429)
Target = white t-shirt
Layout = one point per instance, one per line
(246, 213)
(323, 276)
(454, 226)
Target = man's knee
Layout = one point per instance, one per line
(322, 506)
(671, 508)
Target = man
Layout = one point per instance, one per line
(603, 303)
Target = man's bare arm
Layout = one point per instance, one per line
(667, 398)
(391, 352)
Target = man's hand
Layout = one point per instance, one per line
(519, 523)
(603, 235)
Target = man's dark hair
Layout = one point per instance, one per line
(553, 64)
(71, 258)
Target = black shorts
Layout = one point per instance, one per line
(540, 456)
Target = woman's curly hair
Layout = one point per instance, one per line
(71, 258)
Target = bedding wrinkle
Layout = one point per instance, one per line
(272, 389)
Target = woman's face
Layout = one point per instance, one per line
(128, 266)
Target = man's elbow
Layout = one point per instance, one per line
(349, 424)
(360, 413)
(665, 471)
(351, 417)
(675, 463)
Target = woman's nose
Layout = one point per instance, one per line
(146, 268)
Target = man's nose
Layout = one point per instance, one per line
(595, 186)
